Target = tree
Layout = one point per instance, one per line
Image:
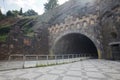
(1, 15)
(21, 12)
(15, 12)
(10, 14)
(0, 12)
(51, 4)
(30, 13)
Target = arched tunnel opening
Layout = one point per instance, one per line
(75, 43)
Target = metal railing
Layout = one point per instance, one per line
(46, 57)
(26, 61)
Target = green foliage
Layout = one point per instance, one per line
(41, 65)
(51, 4)
(3, 38)
(30, 13)
(54, 64)
(9, 14)
(12, 13)
(1, 15)
(4, 30)
(27, 27)
(31, 35)
(0, 12)
(15, 12)
(4, 33)
(29, 32)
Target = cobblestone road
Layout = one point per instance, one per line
(82, 70)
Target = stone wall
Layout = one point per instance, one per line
(86, 25)
(101, 26)
(111, 28)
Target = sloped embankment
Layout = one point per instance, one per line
(13, 25)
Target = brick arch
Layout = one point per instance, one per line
(85, 34)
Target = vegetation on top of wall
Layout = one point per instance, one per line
(27, 27)
(4, 33)
(30, 12)
(51, 4)
(5, 25)
(14, 18)
(3, 38)
(25, 24)
(4, 30)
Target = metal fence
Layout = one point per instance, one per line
(45, 57)
(26, 61)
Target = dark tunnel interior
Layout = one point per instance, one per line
(75, 44)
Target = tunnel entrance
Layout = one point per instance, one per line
(75, 43)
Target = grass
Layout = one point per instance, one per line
(8, 21)
(31, 17)
(5, 25)
(30, 34)
(4, 30)
(58, 63)
(54, 64)
(3, 38)
(48, 65)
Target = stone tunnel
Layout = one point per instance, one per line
(75, 43)
(76, 36)
(86, 30)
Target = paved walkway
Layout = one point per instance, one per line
(83, 70)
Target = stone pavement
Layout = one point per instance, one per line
(92, 69)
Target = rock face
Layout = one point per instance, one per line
(78, 26)
(96, 19)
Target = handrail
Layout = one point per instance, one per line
(27, 61)
(46, 57)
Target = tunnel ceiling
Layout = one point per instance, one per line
(75, 44)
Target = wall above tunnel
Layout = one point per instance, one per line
(86, 26)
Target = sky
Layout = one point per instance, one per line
(37, 5)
